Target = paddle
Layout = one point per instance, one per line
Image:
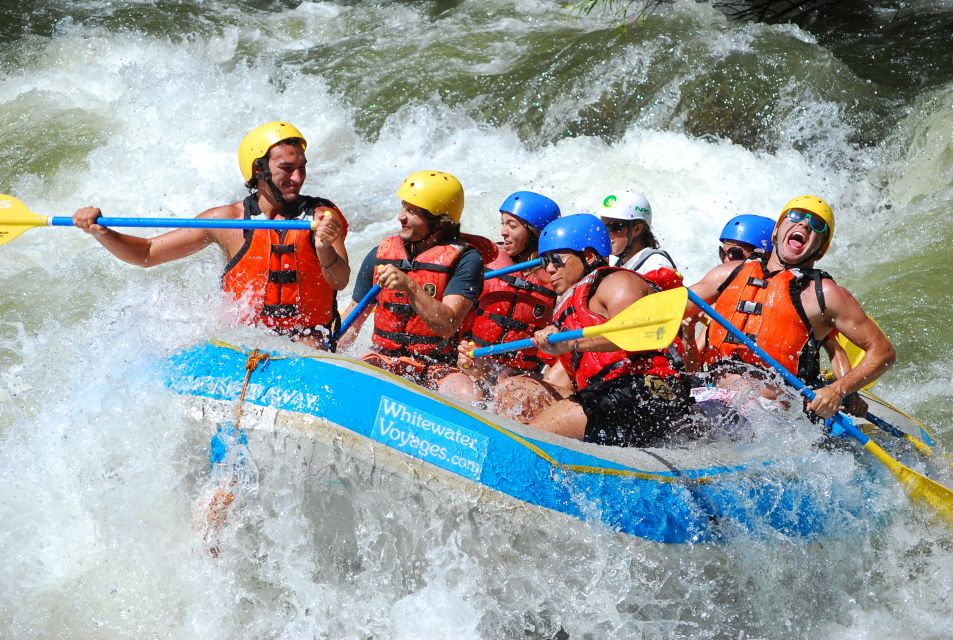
(918, 486)
(374, 290)
(854, 353)
(15, 218)
(648, 324)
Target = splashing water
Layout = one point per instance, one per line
(137, 107)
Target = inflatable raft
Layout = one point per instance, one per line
(674, 495)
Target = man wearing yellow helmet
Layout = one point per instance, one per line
(790, 309)
(429, 278)
(286, 280)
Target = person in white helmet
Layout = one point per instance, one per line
(628, 217)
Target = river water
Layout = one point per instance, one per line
(138, 106)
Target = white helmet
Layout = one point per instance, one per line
(626, 205)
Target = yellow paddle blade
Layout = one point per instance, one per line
(854, 353)
(878, 405)
(15, 218)
(918, 486)
(648, 324)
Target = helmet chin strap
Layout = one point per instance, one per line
(630, 241)
(794, 265)
(266, 176)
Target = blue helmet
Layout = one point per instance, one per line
(750, 229)
(576, 232)
(532, 208)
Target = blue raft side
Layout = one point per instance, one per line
(660, 506)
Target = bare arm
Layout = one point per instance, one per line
(707, 287)
(329, 246)
(444, 317)
(840, 363)
(616, 293)
(149, 252)
(848, 317)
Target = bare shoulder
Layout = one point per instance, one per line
(225, 211)
(836, 297)
(230, 240)
(622, 277)
(618, 290)
(624, 280)
(721, 272)
(710, 283)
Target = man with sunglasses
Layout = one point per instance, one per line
(604, 394)
(628, 219)
(790, 309)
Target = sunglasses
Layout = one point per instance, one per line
(817, 224)
(615, 226)
(732, 253)
(553, 259)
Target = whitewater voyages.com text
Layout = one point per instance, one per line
(430, 438)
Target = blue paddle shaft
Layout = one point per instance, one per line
(526, 343)
(374, 290)
(188, 223)
(356, 311)
(845, 422)
(885, 426)
(529, 264)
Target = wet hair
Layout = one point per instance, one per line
(261, 164)
(648, 238)
(533, 243)
(443, 227)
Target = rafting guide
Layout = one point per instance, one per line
(286, 278)
(429, 438)
(790, 309)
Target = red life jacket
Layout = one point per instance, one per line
(398, 330)
(513, 307)
(278, 274)
(587, 367)
(664, 278)
(769, 311)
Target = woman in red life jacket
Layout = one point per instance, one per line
(512, 307)
(284, 281)
(790, 309)
(430, 278)
(606, 395)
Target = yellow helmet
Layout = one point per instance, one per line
(438, 192)
(258, 141)
(819, 208)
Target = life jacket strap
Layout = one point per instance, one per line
(280, 310)
(749, 307)
(282, 277)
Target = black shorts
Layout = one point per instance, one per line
(633, 410)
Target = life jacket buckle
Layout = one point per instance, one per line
(750, 307)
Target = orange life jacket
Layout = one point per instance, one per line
(768, 310)
(398, 330)
(587, 367)
(513, 307)
(278, 274)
